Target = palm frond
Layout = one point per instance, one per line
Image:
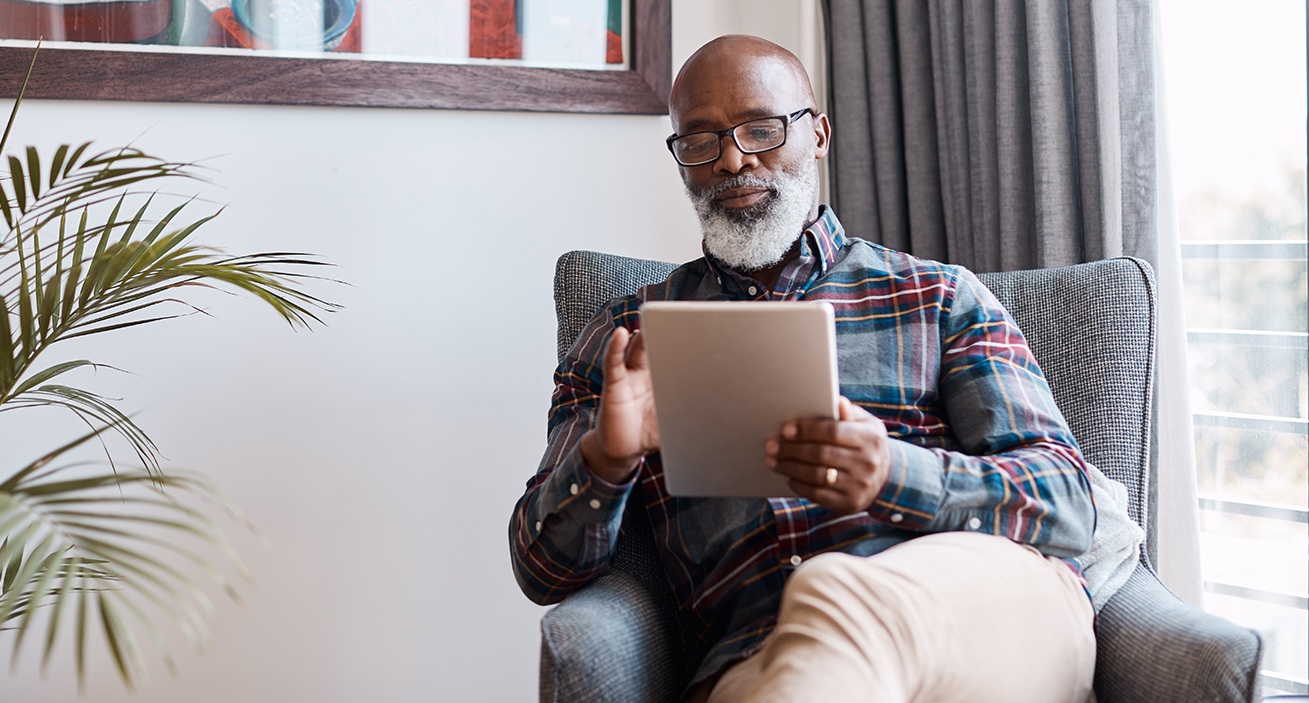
(111, 536)
(94, 410)
(66, 274)
(19, 100)
(102, 548)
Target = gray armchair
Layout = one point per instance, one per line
(1092, 329)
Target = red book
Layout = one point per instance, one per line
(493, 30)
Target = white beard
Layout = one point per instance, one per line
(756, 238)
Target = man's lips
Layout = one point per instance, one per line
(747, 196)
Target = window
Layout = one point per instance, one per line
(1236, 101)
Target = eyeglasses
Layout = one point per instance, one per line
(753, 137)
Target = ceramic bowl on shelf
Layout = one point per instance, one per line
(296, 25)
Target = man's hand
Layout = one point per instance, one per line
(625, 428)
(840, 464)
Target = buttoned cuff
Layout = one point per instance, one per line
(918, 495)
(574, 493)
(912, 494)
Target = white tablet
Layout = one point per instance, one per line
(727, 376)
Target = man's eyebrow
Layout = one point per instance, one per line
(742, 117)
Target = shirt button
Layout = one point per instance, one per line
(897, 517)
(573, 489)
(795, 560)
(538, 525)
(751, 290)
(974, 523)
(595, 503)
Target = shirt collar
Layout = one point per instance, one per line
(823, 239)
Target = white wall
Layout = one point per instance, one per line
(380, 456)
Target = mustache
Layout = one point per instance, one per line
(747, 180)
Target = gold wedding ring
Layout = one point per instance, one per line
(831, 476)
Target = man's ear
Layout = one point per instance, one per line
(822, 136)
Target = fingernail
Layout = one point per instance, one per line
(770, 462)
(770, 447)
(788, 430)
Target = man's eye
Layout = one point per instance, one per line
(764, 133)
(698, 143)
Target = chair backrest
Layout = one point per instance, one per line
(1091, 328)
(586, 280)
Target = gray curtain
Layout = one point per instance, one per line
(1011, 134)
(997, 134)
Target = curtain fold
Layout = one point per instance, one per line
(1006, 135)
(1178, 533)
(988, 133)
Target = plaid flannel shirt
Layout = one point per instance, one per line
(978, 444)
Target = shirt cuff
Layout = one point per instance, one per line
(918, 494)
(912, 495)
(572, 491)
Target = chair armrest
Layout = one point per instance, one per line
(1151, 646)
(609, 642)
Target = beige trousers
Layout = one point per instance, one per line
(950, 617)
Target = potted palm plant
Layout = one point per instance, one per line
(104, 547)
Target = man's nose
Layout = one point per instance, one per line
(731, 159)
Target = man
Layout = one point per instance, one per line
(931, 554)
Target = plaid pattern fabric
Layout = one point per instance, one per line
(924, 346)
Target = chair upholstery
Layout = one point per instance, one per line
(1092, 329)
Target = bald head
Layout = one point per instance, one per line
(738, 63)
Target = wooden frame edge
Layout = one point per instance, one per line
(149, 76)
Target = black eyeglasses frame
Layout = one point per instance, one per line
(787, 121)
